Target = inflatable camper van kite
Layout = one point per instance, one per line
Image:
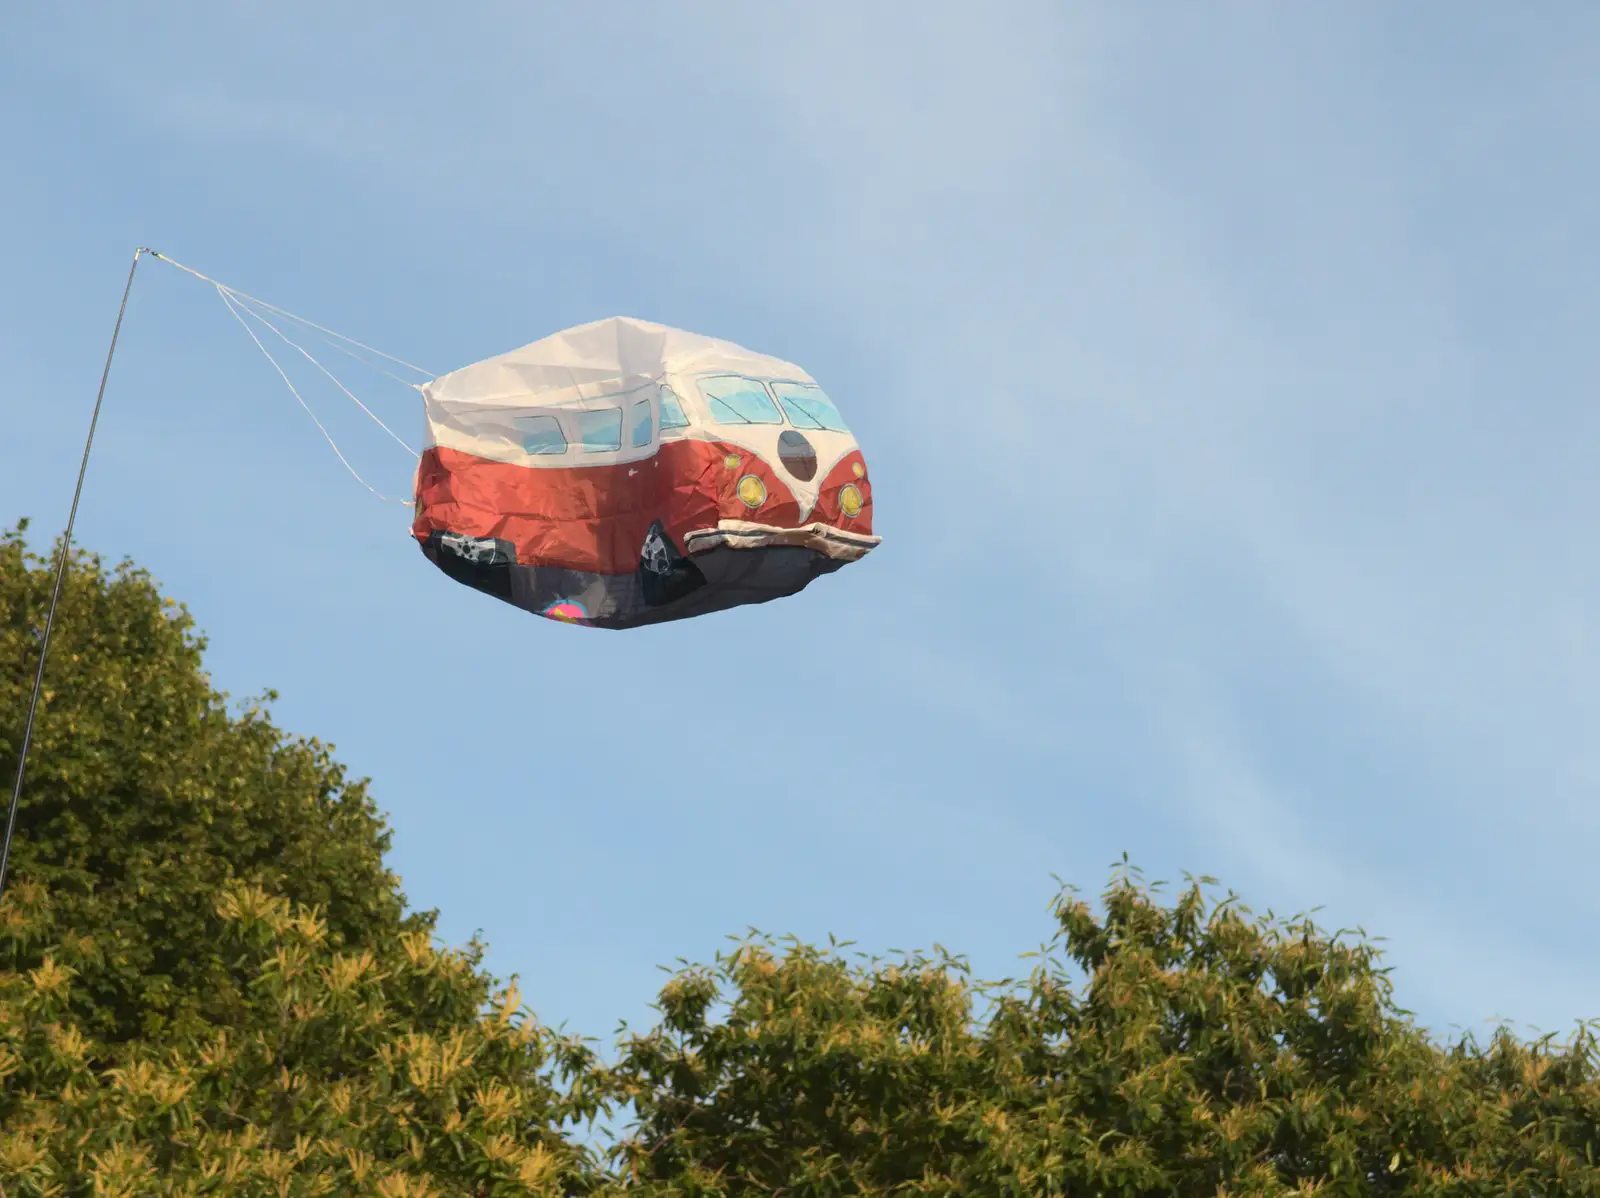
(624, 473)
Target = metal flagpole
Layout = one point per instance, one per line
(61, 577)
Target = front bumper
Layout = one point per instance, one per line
(832, 542)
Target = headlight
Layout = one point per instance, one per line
(850, 500)
(752, 491)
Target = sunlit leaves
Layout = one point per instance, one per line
(208, 981)
(1184, 1049)
(209, 985)
(304, 1095)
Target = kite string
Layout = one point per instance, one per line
(241, 304)
(232, 307)
(237, 298)
(331, 344)
(291, 316)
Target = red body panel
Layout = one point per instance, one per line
(852, 468)
(595, 518)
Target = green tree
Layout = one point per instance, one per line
(146, 794)
(210, 984)
(1174, 1050)
(387, 1070)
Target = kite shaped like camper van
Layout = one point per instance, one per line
(624, 473)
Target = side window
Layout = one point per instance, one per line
(808, 406)
(671, 410)
(641, 424)
(601, 430)
(735, 400)
(540, 434)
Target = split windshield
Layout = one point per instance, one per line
(808, 406)
(735, 400)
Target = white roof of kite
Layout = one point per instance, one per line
(598, 359)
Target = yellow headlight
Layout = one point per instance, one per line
(732, 461)
(850, 500)
(859, 469)
(751, 491)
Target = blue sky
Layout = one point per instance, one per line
(1227, 384)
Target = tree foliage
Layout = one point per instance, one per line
(146, 795)
(374, 1070)
(211, 984)
(207, 975)
(1187, 1049)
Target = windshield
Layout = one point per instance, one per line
(808, 406)
(735, 400)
